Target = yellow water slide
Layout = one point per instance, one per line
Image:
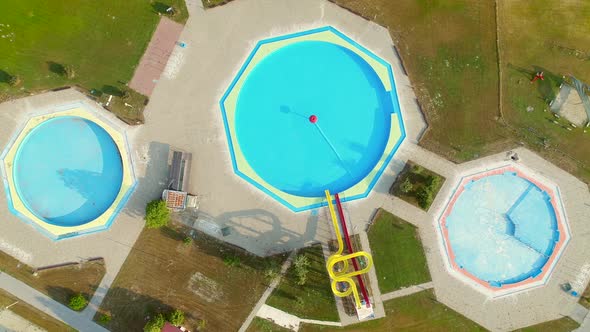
(340, 272)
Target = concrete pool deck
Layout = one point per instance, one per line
(210, 63)
(523, 308)
(28, 245)
(184, 113)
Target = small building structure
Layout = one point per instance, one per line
(572, 101)
(180, 167)
(175, 196)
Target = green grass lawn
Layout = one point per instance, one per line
(314, 300)
(99, 42)
(418, 177)
(535, 38)
(564, 324)
(397, 253)
(263, 325)
(416, 312)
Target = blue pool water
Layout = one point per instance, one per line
(68, 171)
(502, 229)
(307, 78)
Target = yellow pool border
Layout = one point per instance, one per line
(104, 221)
(228, 107)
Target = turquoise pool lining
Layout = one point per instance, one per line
(392, 93)
(88, 231)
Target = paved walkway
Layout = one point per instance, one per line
(378, 309)
(154, 60)
(9, 322)
(287, 320)
(585, 324)
(267, 292)
(42, 302)
(579, 314)
(407, 291)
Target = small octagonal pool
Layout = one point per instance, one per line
(68, 171)
(504, 229)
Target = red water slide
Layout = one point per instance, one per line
(351, 250)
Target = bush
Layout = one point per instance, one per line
(231, 261)
(424, 197)
(155, 324)
(406, 186)
(104, 319)
(187, 240)
(272, 271)
(432, 182)
(156, 214)
(14, 81)
(176, 317)
(77, 302)
(417, 169)
(69, 71)
(301, 269)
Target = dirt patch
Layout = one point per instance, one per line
(206, 288)
(210, 281)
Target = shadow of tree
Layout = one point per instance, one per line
(172, 233)
(5, 77)
(548, 87)
(160, 7)
(133, 311)
(56, 68)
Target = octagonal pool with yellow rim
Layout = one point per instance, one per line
(68, 173)
(312, 111)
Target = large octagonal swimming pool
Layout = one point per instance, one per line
(309, 112)
(313, 116)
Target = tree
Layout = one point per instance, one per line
(406, 186)
(155, 324)
(176, 317)
(301, 269)
(156, 214)
(433, 181)
(77, 302)
(424, 197)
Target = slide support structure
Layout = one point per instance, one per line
(342, 274)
